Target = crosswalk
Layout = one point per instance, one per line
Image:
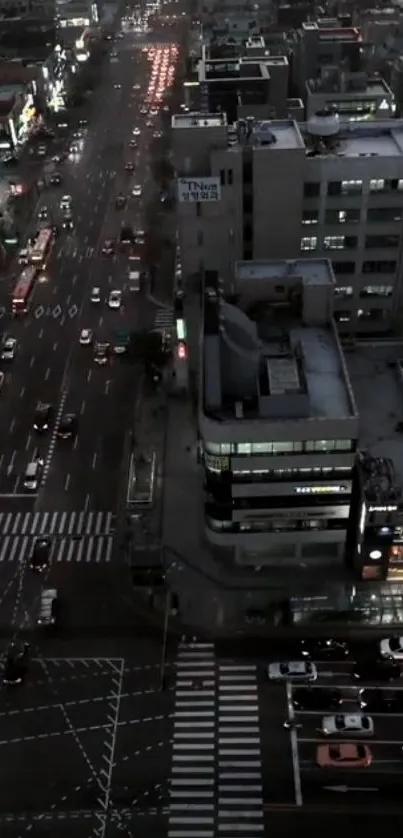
(216, 776)
(81, 537)
(164, 320)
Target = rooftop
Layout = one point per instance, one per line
(280, 134)
(355, 85)
(213, 70)
(375, 138)
(198, 120)
(271, 351)
(375, 371)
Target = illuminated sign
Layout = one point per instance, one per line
(382, 508)
(320, 490)
(214, 463)
(203, 190)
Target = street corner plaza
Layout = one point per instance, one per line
(85, 749)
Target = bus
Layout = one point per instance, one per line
(23, 290)
(41, 247)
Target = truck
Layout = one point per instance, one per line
(134, 280)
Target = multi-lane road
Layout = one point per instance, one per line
(50, 365)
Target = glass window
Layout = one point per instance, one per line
(262, 447)
(381, 266)
(344, 216)
(342, 316)
(343, 267)
(309, 243)
(351, 187)
(212, 447)
(382, 241)
(311, 190)
(283, 447)
(334, 187)
(244, 448)
(376, 291)
(310, 217)
(333, 242)
(383, 215)
(376, 185)
(343, 291)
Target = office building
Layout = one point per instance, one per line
(321, 44)
(277, 190)
(353, 96)
(277, 419)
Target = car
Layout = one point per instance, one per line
(304, 670)
(108, 247)
(85, 337)
(68, 426)
(43, 417)
(67, 222)
(126, 234)
(139, 236)
(309, 698)
(153, 112)
(347, 724)
(83, 123)
(43, 213)
(133, 144)
(377, 669)
(381, 701)
(65, 203)
(74, 148)
(96, 295)
(120, 201)
(137, 86)
(343, 755)
(23, 256)
(16, 665)
(101, 353)
(117, 86)
(149, 123)
(41, 151)
(143, 111)
(8, 349)
(56, 179)
(137, 191)
(39, 559)
(115, 299)
(157, 135)
(325, 649)
(129, 167)
(392, 647)
(136, 131)
(78, 135)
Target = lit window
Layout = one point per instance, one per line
(334, 242)
(310, 217)
(343, 291)
(376, 291)
(351, 187)
(309, 243)
(376, 185)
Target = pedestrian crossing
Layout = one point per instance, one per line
(216, 783)
(164, 320)
(82, 537)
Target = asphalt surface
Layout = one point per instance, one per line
(50, 365)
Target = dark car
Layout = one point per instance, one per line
(16, 665)
(377, 669)
(126, 234)
(314, 699)
(129, 167)
(381, 701)
(56, 179)
(43, 417)
(108, 247)
(40, 557)
(325, 649)
(120, 201)
(67, 223)
(68, 426)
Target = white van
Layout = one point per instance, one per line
(134, 281)
(23, 256)
(47, 607)
(32, 475)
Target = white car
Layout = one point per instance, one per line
(65, 203)
(136, 132)
(392, 647)
(137, 191)
(95, 295)
(115, 299)
(85, 337)
(292, 671)
(347, 725)
(8, 349)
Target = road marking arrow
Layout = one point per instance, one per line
(57, 311)
(39, 312)
(344, 789)
(73, 311)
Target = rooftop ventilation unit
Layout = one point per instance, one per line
(324, 125)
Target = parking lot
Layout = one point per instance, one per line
(291, 772)
(80, 730)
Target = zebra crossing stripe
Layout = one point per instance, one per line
(89, 549)
(164, 319)
(56, 523)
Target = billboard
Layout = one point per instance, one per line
(200, 190)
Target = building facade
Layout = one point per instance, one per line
(277, 419)
(275, 190)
